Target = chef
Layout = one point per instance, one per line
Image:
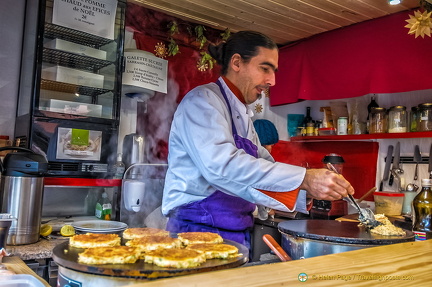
(217, 170)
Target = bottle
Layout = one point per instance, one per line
(342, 126)
(308, 123)
(118, 168)
(422, 212)
(372, 104)
(103, 207)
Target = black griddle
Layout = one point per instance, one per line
(67, 256)
(339, 232)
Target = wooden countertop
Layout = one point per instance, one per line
(15, 264)
(403, 264)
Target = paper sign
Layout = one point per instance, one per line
(95, 17)
(143, 70)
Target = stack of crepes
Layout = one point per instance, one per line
(154, 246)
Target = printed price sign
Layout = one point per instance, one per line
(95, 17)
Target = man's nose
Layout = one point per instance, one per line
(271, 80)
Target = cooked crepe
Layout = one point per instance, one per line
(92, 240)
(131, 233)
(175, 257)
(199, 237)
(215, 250)
(387, 228)
(109, 255)
(154, 242)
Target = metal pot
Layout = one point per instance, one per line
(310, 238)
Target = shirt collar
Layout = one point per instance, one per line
(234, 89)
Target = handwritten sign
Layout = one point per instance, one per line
(95, 17)
(144, 70)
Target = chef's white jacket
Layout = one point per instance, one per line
(203, 157)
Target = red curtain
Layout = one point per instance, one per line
(377, 56)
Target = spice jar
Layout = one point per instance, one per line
(397, 120)
(377, 120)
(424, 121)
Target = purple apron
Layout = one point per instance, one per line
(230, 216)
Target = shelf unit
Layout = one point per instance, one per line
(71, 80)
(427, 134)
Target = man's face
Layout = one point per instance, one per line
(258, 74)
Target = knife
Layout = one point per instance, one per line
(417, 159)
(430, 163)
(396, 160)
(387, 166)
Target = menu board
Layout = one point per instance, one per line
(95, 17)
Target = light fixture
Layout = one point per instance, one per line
(394, 2)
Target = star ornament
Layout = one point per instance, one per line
(420, 24)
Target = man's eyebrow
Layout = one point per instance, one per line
(271, 65)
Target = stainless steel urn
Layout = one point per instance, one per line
(21, 193)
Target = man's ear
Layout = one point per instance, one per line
(235, 62)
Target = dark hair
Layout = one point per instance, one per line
(244, 43)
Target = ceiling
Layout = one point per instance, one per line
(284, 21)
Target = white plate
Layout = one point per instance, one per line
(99, 226)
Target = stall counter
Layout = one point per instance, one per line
(403, 264)
(15, 264)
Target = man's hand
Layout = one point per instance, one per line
(324, 184)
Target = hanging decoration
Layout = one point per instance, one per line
(197, 38)
(161, 50)
(420, 23)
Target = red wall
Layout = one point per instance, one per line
(360, 159)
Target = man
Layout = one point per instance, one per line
(217, 171)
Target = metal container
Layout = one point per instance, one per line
(21, 193)
(310, 238)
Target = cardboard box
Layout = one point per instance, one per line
(76, 48)
(74, 108)
(72, 76)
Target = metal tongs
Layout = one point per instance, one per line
(366, 216)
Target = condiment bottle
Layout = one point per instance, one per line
(397, 122)
(377, 120)
(422, 212)
(424, 122)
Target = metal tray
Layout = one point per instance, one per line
(67, 256)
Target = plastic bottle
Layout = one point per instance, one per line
(118, 167)
(103, 207)
(422, 212)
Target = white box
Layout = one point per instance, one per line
(76, 48)
(72, 76)
(74, 108)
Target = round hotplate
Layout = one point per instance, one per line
(67, 256)
(340, 232)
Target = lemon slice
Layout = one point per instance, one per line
(67, 230)
(45, 229)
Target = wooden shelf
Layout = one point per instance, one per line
(364, 136)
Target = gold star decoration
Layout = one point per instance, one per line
(202, 66)
(161, 50)
(267, 93)
(420, 24)
(258, 108)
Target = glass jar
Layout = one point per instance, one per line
(397, 120)
(424, 121)
(378, 120)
